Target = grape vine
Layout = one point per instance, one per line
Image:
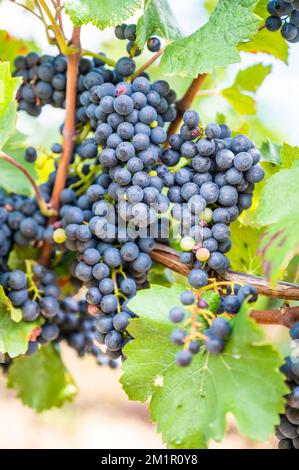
(146, 202)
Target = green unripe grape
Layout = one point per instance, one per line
(187, 243)
(59, 235)
(207, 215)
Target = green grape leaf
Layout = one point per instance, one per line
(153, 306)
(157, 19)
(279, 197)
(243, 255)
(215, 44)
(158, 275)
(19, 254)
(271, 152)
(190, 404)
(41, 381)
(278, 207)
(11, 47)
(278, 246)
(14, 333)
(280, 243)
(266, 41)
(8, 104)
(12, 179)
(101, 13)
(246, 84)
(289, 156)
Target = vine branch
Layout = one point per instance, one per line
(69, 129)
(44, 207)
(184, 103)
(69, 132)
(286, 316)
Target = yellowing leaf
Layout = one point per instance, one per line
(266, 41)
(242, 103)
(289, 156)
(11, 47)
(241, 94)
(251, 78)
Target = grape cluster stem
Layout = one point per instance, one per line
(147, 64)
(104, 59)
(61, 41)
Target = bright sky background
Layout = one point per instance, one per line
(278, 98)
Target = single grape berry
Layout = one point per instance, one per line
(30, 154)
(183, 358)
(59, 235)
(273, 23)
(187, 298)
(153, 44)
(176, 314)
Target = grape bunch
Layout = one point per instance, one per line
(205, 195)
(200, 327)
(127, 188)
(78, 328)
(107, 105)
(128, 32)
(36, 294)
(209, 192)
(113, 241)
(284, 16)
(287, 431)
(21, 222)
(111, 266)
(44, 81)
